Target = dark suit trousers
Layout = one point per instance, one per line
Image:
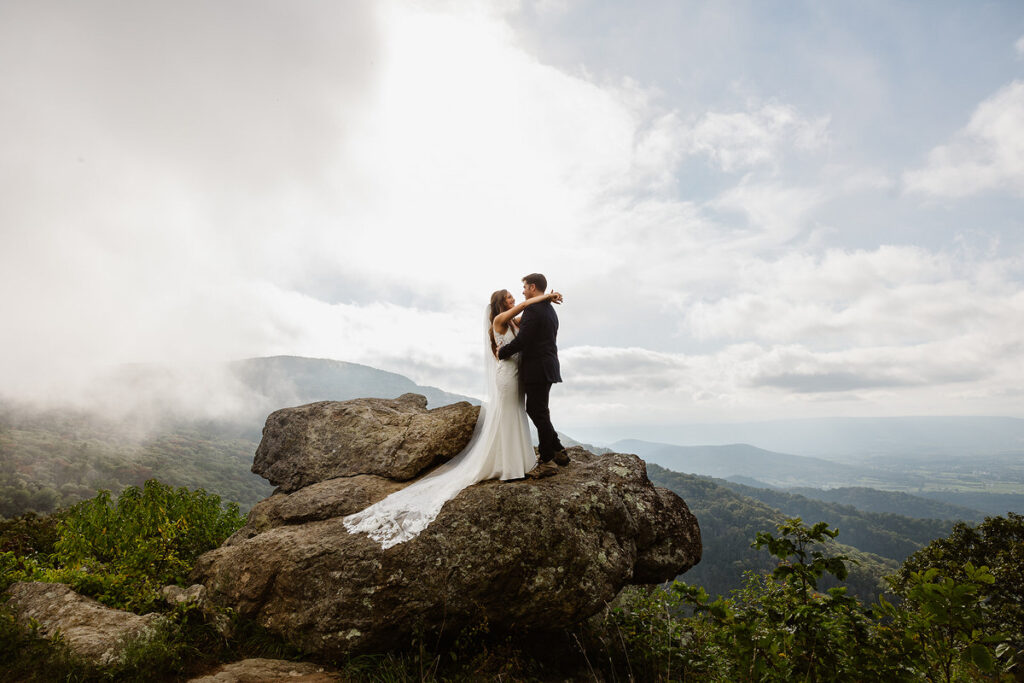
(537, 394)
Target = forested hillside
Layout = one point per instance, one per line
(984, 484)
(55, 459)
(729, 522)
(895, 502)
(886, 534)
(987, 502)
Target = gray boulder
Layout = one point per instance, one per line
(393, 438)
(261, 669)
(526, 554)
(92, 631)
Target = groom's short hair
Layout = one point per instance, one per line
(537, 280)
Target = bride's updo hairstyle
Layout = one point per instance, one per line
(497, 307)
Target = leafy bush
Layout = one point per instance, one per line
(942, 626)
(997, 543)
(779, 627)
(120, 552)
(123, 552)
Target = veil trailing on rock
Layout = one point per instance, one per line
(499, 448)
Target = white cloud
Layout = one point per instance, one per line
(853, 180)
(1019, 46)
(743, 140)
(987, 154)
(893, 330)
(775, 213)
(352, 180)
(890, 295)
(552, 8)
(153, 198)
(610, 389)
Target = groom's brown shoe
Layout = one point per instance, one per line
(543, 469)
(561, 457)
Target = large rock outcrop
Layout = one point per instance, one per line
(526, 554)
(394, 438)
(92, 631)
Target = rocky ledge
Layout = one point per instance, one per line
(522, 555)
(92, 631)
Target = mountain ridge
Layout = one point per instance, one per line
(849, 439)
(740, 459)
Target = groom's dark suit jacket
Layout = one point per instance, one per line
(538, 330)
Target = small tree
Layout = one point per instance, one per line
(998, 544)
(943, 626)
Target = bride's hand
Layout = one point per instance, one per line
(555, 297)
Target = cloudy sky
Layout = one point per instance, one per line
(754, 209)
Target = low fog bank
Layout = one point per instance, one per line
(231, 398)
(193, 425)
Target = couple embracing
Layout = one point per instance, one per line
(520, 357)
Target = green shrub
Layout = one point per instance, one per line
(996, 543)
(779, 627)
(123, 552)
(943, 626)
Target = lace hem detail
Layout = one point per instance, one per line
(390, 529)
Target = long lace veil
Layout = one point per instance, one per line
(405, 513)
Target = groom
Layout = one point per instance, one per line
(538, 370)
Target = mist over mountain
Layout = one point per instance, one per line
(192, 426)
(284, 379)
(235, 396)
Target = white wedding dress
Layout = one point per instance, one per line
(500, 449)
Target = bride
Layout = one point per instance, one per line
(500, 448)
